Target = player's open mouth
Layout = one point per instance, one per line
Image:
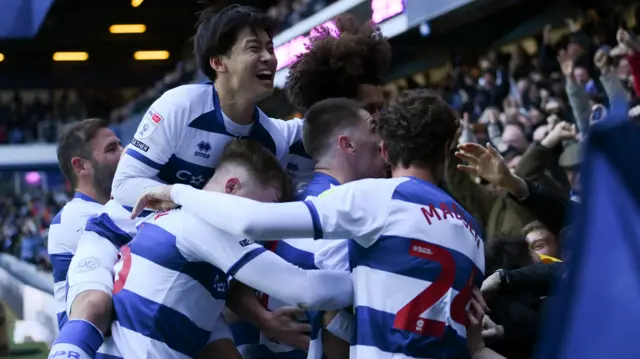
(265, 75)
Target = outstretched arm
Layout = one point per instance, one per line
(355, 210)
(263, 270)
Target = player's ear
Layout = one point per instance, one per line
(232, 186)
(80, 165)
(383, 151)
(217, 64)
(345, 144)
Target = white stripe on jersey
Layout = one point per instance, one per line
(166, 304)
(415, 257)
(181, 137)
(64, 232)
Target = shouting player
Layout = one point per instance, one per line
(351, 65)
(181, 136)
(175, 252)
(415, 253)
(88, 153)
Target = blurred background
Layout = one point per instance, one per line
(65, 60)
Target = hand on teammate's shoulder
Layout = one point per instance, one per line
(156, 198)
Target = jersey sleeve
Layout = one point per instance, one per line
(263, 270)
(223, 251)
(154, 142)
(334, 256)
(92, 266)
(356, 210)
(298, 163)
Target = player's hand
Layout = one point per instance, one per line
(156, 198)
(491, 286)
(474, 329)
(491, 330)
(483, 162)
(284, 327)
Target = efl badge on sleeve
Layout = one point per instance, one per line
(149, 124)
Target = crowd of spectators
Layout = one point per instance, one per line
(39, 120)
(527, 114)
(289, 12)
(24, 225)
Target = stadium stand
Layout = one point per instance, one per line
(529, 77)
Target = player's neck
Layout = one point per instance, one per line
(336, 169)
(421, 173)
(237, 106)
(92, 193)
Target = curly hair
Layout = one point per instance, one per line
(418, 129)
(335, 66)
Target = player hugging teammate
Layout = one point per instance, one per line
(339, 81)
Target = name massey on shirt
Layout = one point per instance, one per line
(431, 213)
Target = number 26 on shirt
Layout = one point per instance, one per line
(408, 318)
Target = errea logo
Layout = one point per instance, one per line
(203, 148)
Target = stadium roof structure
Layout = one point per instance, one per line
(84, 26)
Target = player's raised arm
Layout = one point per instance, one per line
(154, 142)
(263, 270)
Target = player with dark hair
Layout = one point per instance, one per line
(351, 65)
(181, 135)
(409, 237)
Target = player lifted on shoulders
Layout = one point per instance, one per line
(175, 253)
(409, 237)
(181, 136)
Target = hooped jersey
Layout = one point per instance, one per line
(415, 256)
(308, 254)
(182, 136)
(64, 233)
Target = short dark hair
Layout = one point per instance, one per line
(417, 129)
(335, 67)
(217, 31)
(74, 142)
(323, 119)
(261, 163)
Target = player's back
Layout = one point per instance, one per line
(166, 303)
(64, 232)
(412, 283)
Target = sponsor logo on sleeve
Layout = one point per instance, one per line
(87, 265)
(246, 242)
(142, 146)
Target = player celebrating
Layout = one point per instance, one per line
(351, 65)
(410, 238)
(173, 253)
(181, 136)
(88, 153)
